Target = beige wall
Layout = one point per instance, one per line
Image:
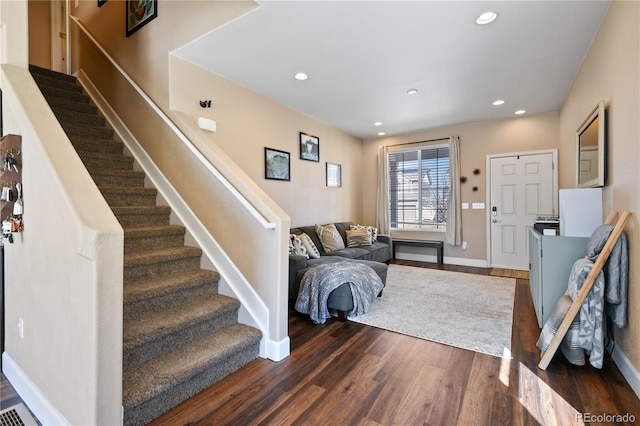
(144, 54)
(39, 33)
(248, 122)
(611, 73)
(529, 133)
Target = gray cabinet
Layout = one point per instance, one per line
(550, 260)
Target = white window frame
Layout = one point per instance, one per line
(417, 226)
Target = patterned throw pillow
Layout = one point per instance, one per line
(357, 238)
(296, 246)
(308, 243)
(329, 237)
(373, 232)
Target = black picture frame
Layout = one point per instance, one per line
(334, 175)
(277, 164)
(309, 147)
(139, 14)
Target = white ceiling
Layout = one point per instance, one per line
(363, 56)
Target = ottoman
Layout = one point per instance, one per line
(340, 301)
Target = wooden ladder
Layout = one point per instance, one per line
(586, 287)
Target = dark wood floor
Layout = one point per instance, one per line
(348, 373)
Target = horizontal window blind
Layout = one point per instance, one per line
(419, 188)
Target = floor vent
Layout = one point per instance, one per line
(17, 415)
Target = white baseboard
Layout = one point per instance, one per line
(277, 351)
(460, 261)
(30, 394)
(627, 369)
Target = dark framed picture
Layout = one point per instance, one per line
(309, 147)
(277, 164)
(139, 14)
(101, 2)
(334, 175)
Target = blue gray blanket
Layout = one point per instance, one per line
(591, 329)
(320, 281)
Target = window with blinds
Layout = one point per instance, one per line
(419, 188)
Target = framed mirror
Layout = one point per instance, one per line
(591, 149)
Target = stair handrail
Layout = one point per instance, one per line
(228, 185)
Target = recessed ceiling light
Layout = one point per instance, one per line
(381, 133)
(301, 76)
(412, 91)
(486, 18)
(498, 102)
(378, 123)
(520, 112)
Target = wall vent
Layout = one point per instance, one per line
(17, 415)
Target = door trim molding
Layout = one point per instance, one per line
(554, 154)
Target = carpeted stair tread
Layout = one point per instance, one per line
(144, 238)
(116, 172)
(153, 230)
(158, 375)
(128, 196)
(59, 103)
(88, 130)
(160, 256)
(68, 85)
(156, 287)
(168, 291)
(139, 215)
(34, 69)
(88, 143)
(106, 160)
(160, 324)
(58, 92)
(117, 177)
(66, 116)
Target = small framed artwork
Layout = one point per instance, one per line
(309, 147)
(277, 164)
(139, 14)
(334, 175)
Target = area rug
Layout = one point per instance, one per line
(468, 311)
(509, 273)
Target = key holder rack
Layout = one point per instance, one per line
(11, 204)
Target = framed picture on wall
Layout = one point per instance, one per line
(309, 147)
(277, 164)
(334, 175)
(139, 14)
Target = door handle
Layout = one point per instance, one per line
(494, 220)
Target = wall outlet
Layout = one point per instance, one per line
(21, 328)
(464, 245)
(465, 206)
(477, 206)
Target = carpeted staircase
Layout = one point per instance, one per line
(180, 335)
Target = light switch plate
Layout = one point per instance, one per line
(477, 206)
(465, 206)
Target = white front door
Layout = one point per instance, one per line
(521, 186)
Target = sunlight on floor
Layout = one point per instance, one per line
(543, 403)
(505, 365)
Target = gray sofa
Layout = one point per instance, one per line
(376, 256)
